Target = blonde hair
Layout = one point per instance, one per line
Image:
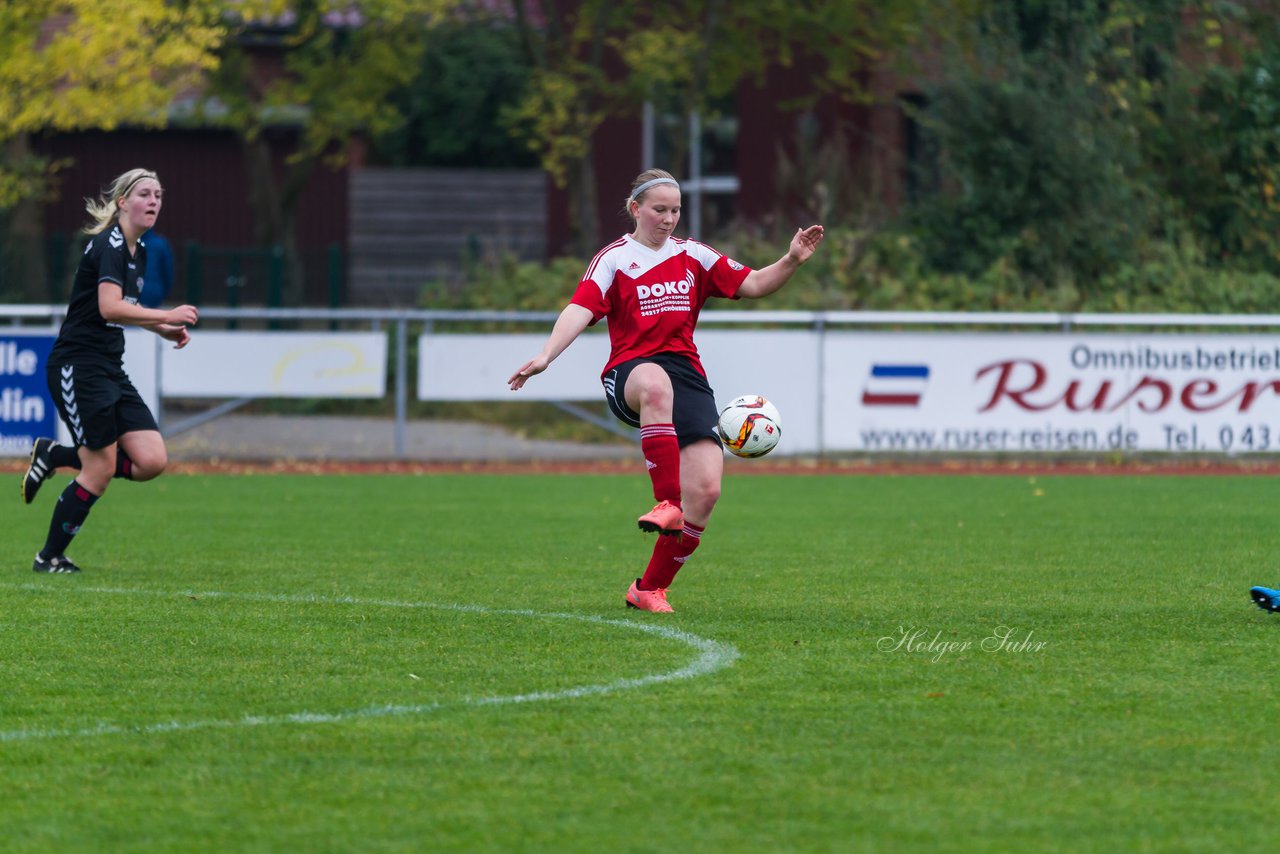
(662, 176)
(105, 209)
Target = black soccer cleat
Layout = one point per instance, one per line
(40, 469)
(55, 564)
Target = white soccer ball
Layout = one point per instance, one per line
(750, 426)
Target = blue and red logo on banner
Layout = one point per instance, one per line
(26, 410)
(895, 385)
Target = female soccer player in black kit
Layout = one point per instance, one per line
(114, 433)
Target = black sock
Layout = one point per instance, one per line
(64, 457)
(124, 465)
(68, 515)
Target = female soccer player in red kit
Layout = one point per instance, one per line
(650, 286)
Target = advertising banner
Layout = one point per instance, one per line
(477, 367)
(141, 362)
(277, 364)
(778, 364)
(937, 392)
(26, 410)
(1017, 393)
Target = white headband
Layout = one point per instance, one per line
(647, 184)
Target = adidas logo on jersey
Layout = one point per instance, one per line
(634, 266)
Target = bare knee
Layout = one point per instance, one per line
(150, 464)
(699, 498)
(649, 391)
(701, 469)
(656, 397)
(147, 454)
(708, 494)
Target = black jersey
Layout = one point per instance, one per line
(85, 335)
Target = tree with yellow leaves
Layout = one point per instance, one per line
(87, 64)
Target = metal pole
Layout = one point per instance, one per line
(335, 280)
(820, 325)
(57, 265)
(195, 274)
(159, 343)
(402, 361)
(695, 175)
(275, 282)
(646, 137)
(234, 281)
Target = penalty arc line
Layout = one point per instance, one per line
(712, 656)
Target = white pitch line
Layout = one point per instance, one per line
(712, 656)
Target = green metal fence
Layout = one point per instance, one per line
(205, 275)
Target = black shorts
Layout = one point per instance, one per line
(97, 403)
(693, 410)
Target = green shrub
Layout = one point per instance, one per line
(1222, 156)
(889, 271)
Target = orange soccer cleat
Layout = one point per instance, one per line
(648, 600)
(667, 519)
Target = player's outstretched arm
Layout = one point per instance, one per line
(766, 280)
(569, 325)
(114, 309)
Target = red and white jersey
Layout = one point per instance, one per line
(652, 297)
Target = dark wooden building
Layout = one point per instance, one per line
(756, 170)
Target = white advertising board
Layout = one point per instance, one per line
(141, 361)
(777, 364)
(1015, 393)
(277, 364)
(937, 392)
(477, 367)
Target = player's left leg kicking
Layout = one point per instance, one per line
(701, 469)
(649, 392)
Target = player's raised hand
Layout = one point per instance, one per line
(805, 243)
(534, 366)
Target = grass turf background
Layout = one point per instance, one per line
(1140, 720)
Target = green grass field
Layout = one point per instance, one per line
(443, 662)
